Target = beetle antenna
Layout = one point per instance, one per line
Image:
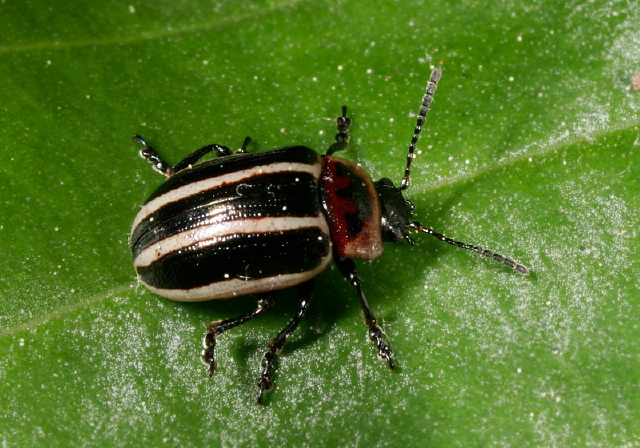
(422, 118)
(484, 252)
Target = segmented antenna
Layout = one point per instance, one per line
(422, 118)
(484, 252)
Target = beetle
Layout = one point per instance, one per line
(251, 224)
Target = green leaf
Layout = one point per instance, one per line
(531, 150)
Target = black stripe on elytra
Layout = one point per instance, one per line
(244, 256)
(235, 163)
(289, 193)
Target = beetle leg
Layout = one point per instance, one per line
(151, 156)
(163, 167)
(215, 329)
(275, 346)
(348, 269)
(243, 148)
(221, 151)
(342, 137)
(191, 159)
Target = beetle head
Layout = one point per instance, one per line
(396, 212)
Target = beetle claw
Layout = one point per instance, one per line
(209, 344)
(376, 335)
(265, 383)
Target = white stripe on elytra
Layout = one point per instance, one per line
(210, 234)
(239, 287)
(194, 188)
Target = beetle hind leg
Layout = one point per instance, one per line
(348, 269)
(191, 159)
(151, 155)
(265, 383)
(221, 151)
(342, 137)
(216, 328)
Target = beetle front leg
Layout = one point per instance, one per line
(348, 269)
(342, 137)
(215, 329)
(265, 383)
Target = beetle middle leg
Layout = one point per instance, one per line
(348, 269)
(216, 328)
(265, 383)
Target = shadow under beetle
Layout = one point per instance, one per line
(255, 223)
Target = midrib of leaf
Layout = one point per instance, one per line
(64, 311)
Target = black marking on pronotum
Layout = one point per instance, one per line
(257, 223)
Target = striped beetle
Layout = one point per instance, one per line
(245, 224)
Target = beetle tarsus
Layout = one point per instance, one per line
(348, 269)
(342, 137)
(151, 156)
(265, 382)
(208, 354)
(376, 335)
